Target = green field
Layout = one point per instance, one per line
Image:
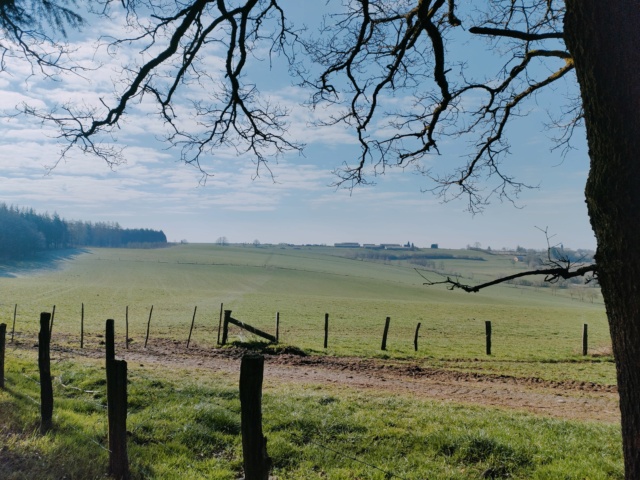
(184, 422)
(535, 325)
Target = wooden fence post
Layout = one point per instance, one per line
(220, 323)
(277, 327)
(386, 331)
(193, 320)
(13, 329)
(148, 325)
(415, 339)
(82, 326)
(3, 335)
(254, 445)
(326, 330)
(118, 458)
(44, 365)
(487, 327)
(110, 356)
(225, 326)
(585, 339)
(53, 314)
(110, 341)
(126, 326)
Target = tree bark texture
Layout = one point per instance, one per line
(604, 39)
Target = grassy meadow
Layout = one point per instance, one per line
(531, 326)
(184, 423)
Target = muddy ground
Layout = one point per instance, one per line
(567, 400)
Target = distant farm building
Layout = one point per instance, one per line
(347, 245)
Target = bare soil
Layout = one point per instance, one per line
(566, 400)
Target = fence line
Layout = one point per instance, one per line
(276, 338)
(46, 403)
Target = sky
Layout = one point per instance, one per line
(297, 203)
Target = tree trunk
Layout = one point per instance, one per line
(603, 38)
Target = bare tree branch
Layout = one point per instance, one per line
(25, 25)
(558, 266)
(551, 275)
(529, 37)
(233, 114)
(394, 50)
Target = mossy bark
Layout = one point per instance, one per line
(604, 40)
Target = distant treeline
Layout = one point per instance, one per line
(23, 233)
(424, 259)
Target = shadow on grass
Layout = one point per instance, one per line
(66, 451)
(42, 262)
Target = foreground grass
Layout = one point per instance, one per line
(186, 424)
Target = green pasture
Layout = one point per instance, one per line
(184, 423)
(536, 331)
(189, 427)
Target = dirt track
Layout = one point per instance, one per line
(568, 400)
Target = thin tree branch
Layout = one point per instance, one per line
(527, 36)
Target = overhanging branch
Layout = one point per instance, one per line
(527, 36)
(551, 275)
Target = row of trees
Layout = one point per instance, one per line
(23, 233)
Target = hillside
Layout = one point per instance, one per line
(304, 283)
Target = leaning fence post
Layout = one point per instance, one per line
(13, 329)
(3, 335)
(326, 330)
(193, 320)
(254, 445)
(225, 326)
(585, 339)
(386, 331)
(148, 325)
(220, 323)
(44, 365)
(415, 339)
(487, 326)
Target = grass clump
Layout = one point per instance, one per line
(499, 459)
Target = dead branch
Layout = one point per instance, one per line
(551, 275)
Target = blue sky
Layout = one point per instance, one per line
(298, 205)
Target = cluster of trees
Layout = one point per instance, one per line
(23, 233)
(417, 258)
(106, 234)
(539, 258)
